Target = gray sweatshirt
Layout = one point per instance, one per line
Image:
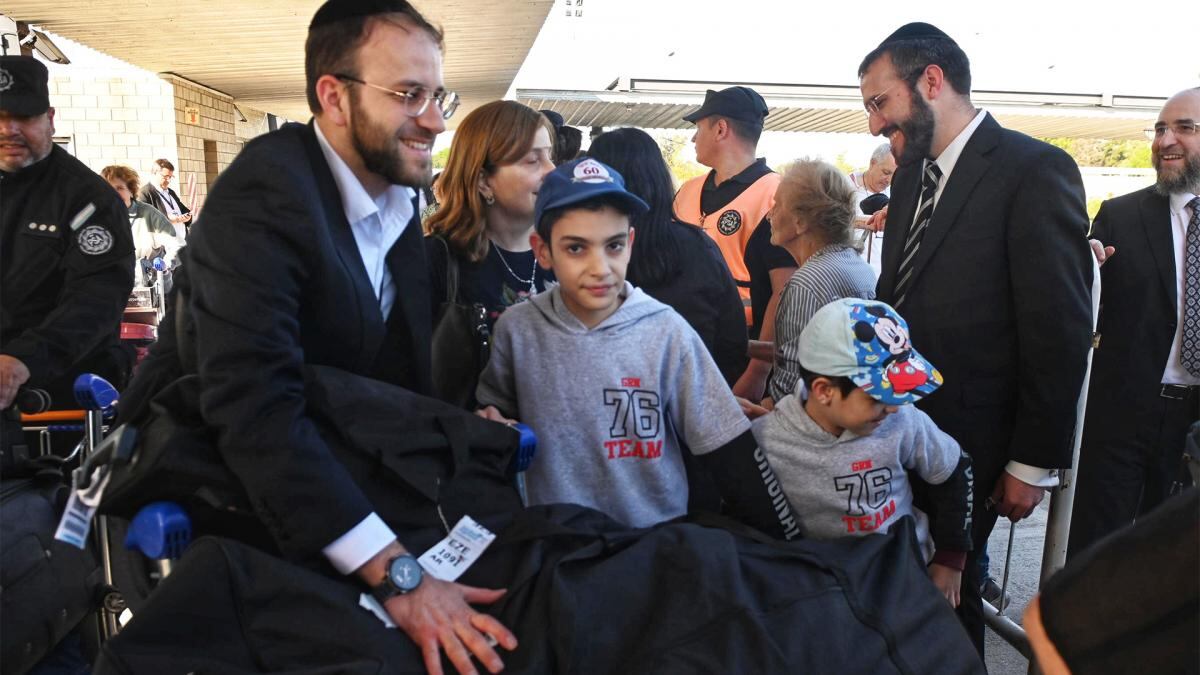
(855, 485)
(613, 407)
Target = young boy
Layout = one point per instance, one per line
(616, 385)
(842, 445)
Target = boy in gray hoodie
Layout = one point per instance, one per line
(616, 385)
(844, 444)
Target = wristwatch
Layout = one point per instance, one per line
(403, 576)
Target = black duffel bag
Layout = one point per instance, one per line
(421, 463)
(48, 586)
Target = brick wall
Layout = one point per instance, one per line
(215, 125)
(112, 113)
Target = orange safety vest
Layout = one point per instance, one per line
(732, 226)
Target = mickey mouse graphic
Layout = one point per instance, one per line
(903, 373)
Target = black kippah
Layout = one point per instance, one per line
(915, 31)
(337, 10)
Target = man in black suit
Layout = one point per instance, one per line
(985, 254)
(1145, 386)
(157, 192)
(310, 252)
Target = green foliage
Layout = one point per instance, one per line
(1105, 153)
(1093, 207)
(842, 165)
(440, 158)
(682, 170)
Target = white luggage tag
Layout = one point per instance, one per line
(76, 520)
(450, 557)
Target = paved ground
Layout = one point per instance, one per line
(1024, 571)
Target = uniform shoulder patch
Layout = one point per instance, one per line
(95, 240)
(729, 222)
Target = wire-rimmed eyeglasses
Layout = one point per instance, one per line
(416, 100)
(872, 104)
(1183, 129)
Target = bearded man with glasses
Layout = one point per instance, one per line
(1146, 376)
(985, 254)
(310, 252)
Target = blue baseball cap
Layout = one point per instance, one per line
(868, 342)
(580, 180)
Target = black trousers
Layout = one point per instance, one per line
(1125, 474)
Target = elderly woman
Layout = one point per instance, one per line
(813, 219)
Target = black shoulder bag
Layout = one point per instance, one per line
(461, 342)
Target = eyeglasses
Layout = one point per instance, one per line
(873, 104)
(1182, 129)
(416, 100)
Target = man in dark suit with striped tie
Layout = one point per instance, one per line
(985, 254)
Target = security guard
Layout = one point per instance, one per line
(730, 203)
(66, 250)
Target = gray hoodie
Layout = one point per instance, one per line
(613, 407)
(855, 485)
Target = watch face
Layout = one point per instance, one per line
(405, 573)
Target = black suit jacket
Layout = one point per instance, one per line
(1000, 298)
(150, 195)
(276, 282)
(1139, 309)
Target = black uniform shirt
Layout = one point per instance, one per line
(66, 265)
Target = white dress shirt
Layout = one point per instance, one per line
(376, 223)
(1175, 373)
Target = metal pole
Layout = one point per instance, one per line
(1007, 629)
(112, 603)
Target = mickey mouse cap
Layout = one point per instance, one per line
(869, 343)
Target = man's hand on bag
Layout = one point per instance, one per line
(438, 616)
(13, 374)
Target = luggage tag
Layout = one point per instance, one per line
(450, 557)
(76, 520)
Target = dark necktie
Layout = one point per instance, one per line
(1189, 348)
(929, 186)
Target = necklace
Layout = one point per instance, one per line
(532, 272)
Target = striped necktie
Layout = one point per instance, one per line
(1189, 347)
(929, 186)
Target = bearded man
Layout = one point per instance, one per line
(985, 254)
(310, 253)
(1145, 386)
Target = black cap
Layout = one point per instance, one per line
(337, 10)
(556, 120)
(739, 103)
(915, 31)
(23, 89)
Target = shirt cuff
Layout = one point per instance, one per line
(1033, 475)
(955, 560)
(353, 549)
